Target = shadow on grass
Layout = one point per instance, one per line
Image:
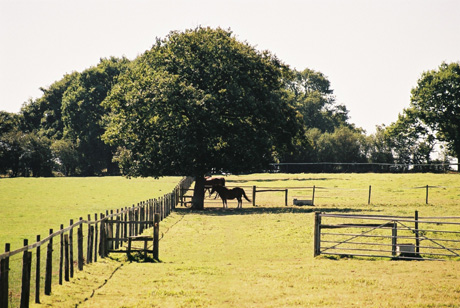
(280, 180)
(214, 211)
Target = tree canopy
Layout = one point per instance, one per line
(200, 100)
(436, 101)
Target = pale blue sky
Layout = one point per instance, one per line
(372, 52)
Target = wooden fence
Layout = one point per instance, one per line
(105, 233)
(397, 237)
(309, 195)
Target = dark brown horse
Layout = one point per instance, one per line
(233, 193)
(210, 182)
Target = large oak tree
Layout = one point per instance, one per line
(200, 100)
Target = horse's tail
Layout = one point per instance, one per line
(245, 197)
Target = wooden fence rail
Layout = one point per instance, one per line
(100, 239)
(396, 237)
(309, 194)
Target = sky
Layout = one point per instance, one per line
(372, 52)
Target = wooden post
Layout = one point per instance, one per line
(313, 196)
(369, 199)
(254, 195)
(37, 274)
(128, 250)
(80, 246)
(117, 233)
(49, 266)
(286, 198)
(101, 240)
(394, 238)
(26, 269)
(417, 239)
(95, 237)
(66, 258)
(317, 235)
(88, 242)
(61, 254)
(4, 281)
(156, 236)
(427, 188)
(71, 249)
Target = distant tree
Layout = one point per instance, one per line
(10, 152)
(436, 102)
(344, 145)
(82, 115)
(44, 113)
(200, 100)
(36, 155)
(380, 150)
(8, 122)
(313, 98)
(66, 156)
(411, 141)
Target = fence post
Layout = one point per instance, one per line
(317, 235)
(254, 190)
(102, 239)
(71, 249)
(313, 196)
(80, 246)
(37, 273)
(49, 265)
(427, 188)
(286, 198)
(394, 238)
(26, 269)
(417, 239)
(369, 199)
(156, 236)
(4, 283)
(89, 243)
(66, 258)
(95, 237)
(61, 254)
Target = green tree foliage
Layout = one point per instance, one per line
(323, 119)
(313, 98)
(66, 156)
(410, 140)
(44, 114)
(82, 115)
(379, 148)
(436, 101)
(200, 100)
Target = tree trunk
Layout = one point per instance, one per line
(198, 193)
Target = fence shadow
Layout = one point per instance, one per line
(215, 211)
(280, 180)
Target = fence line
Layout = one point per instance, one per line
(317, 192)
(129, 222)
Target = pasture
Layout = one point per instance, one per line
(263, 256)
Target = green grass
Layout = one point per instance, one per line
(31, 206)
(263, 256)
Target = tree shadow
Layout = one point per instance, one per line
(280, 180)
(214, 211)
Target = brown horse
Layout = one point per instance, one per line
(210, 182)
(233, 193)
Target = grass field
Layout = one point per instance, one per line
(263, 256)
(31, 206)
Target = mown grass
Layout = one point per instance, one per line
(31, 206)
(263, 256)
